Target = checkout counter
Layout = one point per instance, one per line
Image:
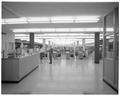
(15, 69)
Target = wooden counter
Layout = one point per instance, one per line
(15, 69)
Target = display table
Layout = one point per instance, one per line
(15, 69)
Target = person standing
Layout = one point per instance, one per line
(50, 55)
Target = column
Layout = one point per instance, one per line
(96, 56)
(83, 44)
(31, 40)
(77, 43)
(48, 49)
(74, 50)
(49, 43)
(44, 44)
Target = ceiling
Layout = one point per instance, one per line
(37, 9)
(24, 9)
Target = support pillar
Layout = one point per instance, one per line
(83, 44)
(96, 56)
(48, 42)
(74, 50)
(77, 43)
(44, 44)
(31, 40)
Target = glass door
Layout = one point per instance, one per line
(111, 49)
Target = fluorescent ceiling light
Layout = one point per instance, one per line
(54, 34)
(3, 21)
(47, 29)
(33, 30)
(109, 29)
(62, 18)
(59, 19)
(76, 29)
(37, 22)
(21, 34)
(39, 35)
(65, 37)
(62, 29)
(19, 30)
(21, 38)
(27, 30)
(92, 29)
(38, 19)
(85, 21)
(15, 21)
(63, 21)
(96, 18)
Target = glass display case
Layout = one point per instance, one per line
(22, 49)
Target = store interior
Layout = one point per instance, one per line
(74, 32)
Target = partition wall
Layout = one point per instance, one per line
(111, 49)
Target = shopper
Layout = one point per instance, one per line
(50, 55)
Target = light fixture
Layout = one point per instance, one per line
(63, 34)
(82, 18)
(66, 37)
(76, 29)
(110, 29)
(47, 29)
(21, 34)
(53, 19)
(62, 19)
(62, 30)
(92, 29)
(15, 21)
(85, 21)
(19, 30)
(27, 30)
(38, 19)
(33, 30)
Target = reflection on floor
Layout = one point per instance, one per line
(64, 76)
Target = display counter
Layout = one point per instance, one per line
(15, 69)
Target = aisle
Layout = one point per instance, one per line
(64, 76)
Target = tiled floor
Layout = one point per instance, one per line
(62, 77)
